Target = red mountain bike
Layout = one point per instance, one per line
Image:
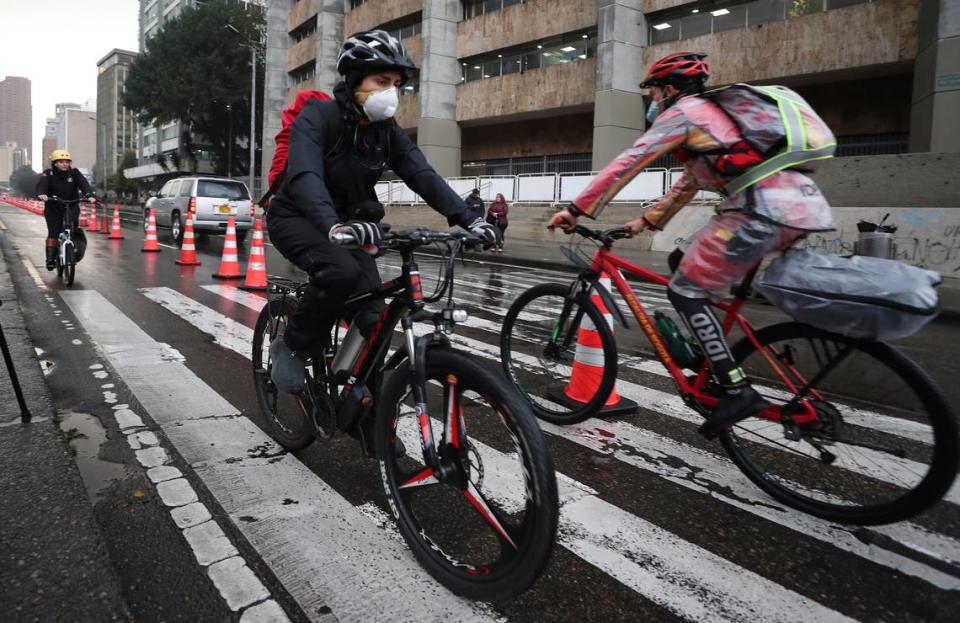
(476, 496)
(857, 432)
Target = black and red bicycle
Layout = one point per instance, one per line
(476, 496)
(857, 433)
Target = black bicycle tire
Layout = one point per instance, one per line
(609, 377)
(946, 445)
(71, 268)
(289, 441)
(528, 567)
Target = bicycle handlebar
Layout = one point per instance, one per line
(606, 236)
(410, 238)
(66, 201)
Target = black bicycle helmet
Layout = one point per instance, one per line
(374, 50)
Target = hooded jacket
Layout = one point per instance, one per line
(65, 185)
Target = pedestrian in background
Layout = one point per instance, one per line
(497, 216)
(475, 204)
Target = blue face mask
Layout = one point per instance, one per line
(653, 111)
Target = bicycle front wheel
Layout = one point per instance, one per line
(287, 416)
(483, 524)
(886, 444)
(541, 343)
(70, 269)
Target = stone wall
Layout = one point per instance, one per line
(811, 44)
(408, 112)
(563, 134)
(522, 23)
(301, 52)
(560, 86)
(301, 11)
(373, 13)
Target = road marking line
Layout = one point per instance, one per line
(324, 552)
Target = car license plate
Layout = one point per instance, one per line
(225, 209)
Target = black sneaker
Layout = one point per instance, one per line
(736, 405)
(51, 258)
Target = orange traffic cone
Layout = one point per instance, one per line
(588, 364)
(115, 232)
(188, 250)
(150, 244)
(92, 221)
(229, 266)
(104, 222)
(257, 261)
(83, 216)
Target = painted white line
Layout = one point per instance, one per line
(318, 545)
(226, 332)
(32, 271)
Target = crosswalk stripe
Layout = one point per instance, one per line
(676, 574)
(719, 473)
(322, 549)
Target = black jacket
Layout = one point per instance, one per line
(64, 184)
(334, 164)
(475, 205)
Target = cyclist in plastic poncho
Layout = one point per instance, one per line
(768, 216)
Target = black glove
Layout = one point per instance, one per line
(485, 231)
(364, 233)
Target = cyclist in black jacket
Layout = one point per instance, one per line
(61, 180)
(338, 150)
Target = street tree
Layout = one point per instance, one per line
(119, 183)
(193, 70)
(24, 180)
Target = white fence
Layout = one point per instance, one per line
(542, 187)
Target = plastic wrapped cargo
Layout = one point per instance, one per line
(863, 297)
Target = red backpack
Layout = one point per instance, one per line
(279, 164)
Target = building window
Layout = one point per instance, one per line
(568, 48)
(674, 24)
(561, 163)
(304, 72)
(304, 30)
(412, 87)
(169, 133)
(405, 29)
(355, 3)
(476, 8)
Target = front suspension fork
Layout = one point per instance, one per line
(417, 352)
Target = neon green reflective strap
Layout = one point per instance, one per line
(776, 164)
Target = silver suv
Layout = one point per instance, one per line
(212, 200)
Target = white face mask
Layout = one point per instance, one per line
(381, 105)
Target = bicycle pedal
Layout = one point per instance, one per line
(791, 431)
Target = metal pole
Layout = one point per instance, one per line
(103, 135)
(24, 411)
(253, 117)
(229, 141)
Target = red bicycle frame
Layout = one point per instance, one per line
(605, 261)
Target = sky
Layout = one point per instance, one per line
(56, 44)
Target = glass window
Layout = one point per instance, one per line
(222, 189)
(665, 31)
(531, 60)
(507, 3)
(491, 69)
(765, 11)
(734, 17)
(491, 5)
(186, 188)
(839, 4)
(695, 25)
(511, 64)
(798, 8)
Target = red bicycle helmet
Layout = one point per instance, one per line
(678, 67)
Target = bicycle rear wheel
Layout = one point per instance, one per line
(886, 446)
(287, 416)
(485, 523)
(538, 345)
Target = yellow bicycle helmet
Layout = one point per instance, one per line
(60, 154)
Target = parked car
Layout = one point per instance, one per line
(212, 200)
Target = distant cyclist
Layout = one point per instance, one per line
(64, 182)
(767, 216)
(338, 150)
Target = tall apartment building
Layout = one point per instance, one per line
(165, 140)
(16, 113)
(49, 142)
(77, 133)
(12, 157)
(526, 86)
(117, 131)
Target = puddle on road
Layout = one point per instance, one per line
(86, 435)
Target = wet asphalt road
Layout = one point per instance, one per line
(656, 539)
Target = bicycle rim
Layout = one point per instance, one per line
(539, 348)
(486, 531)
(70, 270)
(885, 447)
(287, 416)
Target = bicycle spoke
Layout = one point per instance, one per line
(476, 498)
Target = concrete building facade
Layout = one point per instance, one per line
(77, 133)
(530, 86)
(117, 127)
(16, 113)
